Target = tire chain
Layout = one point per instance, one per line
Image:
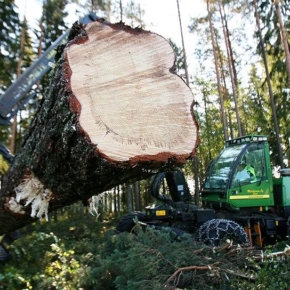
(212, 231)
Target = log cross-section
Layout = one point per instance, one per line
(131, 102)
(114, 112)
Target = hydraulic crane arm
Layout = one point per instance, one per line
(17, 94)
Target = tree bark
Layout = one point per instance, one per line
(114, 112)
(283, 36)
(231, 65)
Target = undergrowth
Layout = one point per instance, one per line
(82, 253)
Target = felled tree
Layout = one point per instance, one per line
(114, 112)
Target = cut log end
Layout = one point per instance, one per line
(131, 104)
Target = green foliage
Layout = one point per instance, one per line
(274, 275)
(9, 52)
(79, 252)
(53, 256)
(63, 268)
(9, 44)
(254, 99)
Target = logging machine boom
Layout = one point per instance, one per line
(253, 211)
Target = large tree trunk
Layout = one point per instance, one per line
(268, 79)
(114, 112)
(284, 38)
(217, 69)
(231, 65)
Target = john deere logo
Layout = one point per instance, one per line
(255, 191)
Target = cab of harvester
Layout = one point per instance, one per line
(226, 188)
(254, 198)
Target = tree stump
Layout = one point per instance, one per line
(114, 112)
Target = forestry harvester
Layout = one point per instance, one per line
(252, 211)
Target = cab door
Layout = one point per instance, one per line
(256, 190)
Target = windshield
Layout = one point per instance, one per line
(218, 173)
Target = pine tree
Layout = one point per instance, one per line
(51, 26)
(10, 53)
(9, 42)
(217, 69)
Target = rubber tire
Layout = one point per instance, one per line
(214, 232)
(127, 222)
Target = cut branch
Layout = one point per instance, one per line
(212, 268)
(271, 256)
(114, 112)
(189, 268)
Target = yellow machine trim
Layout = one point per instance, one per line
(4, 165)
(249, 196)
(160, 213)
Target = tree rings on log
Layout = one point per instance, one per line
(132, 104)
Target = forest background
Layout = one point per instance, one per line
(240, 80)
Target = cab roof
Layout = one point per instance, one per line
(246, 139)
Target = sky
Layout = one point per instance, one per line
(161, 17)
